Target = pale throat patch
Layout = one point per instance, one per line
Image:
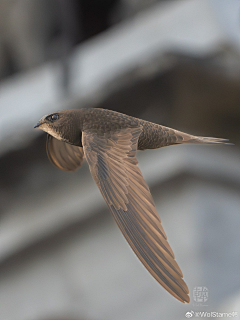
(49, 130)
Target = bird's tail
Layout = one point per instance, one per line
(169, 136)
(189, 139)
(156, 136)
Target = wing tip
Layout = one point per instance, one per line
(181, 294)
(186, 299)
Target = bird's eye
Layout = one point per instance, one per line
(53, 117)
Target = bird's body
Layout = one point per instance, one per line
(109, 141)
(102, 121)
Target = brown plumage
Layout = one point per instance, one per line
(109, 140)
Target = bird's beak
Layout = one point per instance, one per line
(40, 122)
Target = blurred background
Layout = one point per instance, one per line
(177, 63)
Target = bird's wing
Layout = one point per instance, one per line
(64, 155)
(112, 162)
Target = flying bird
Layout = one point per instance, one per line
(109, 141)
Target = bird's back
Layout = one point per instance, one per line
(153, 135)
(102, 121)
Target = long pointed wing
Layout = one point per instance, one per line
(112, 162)
(63, 155)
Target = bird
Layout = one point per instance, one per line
(109, 140)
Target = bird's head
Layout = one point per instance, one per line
(51, 124)
(62, 125)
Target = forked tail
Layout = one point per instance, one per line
(156, 136)
(171, 136)
(189, 139)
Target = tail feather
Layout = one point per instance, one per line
(181, 137)
(156, 136)
(207, 140)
